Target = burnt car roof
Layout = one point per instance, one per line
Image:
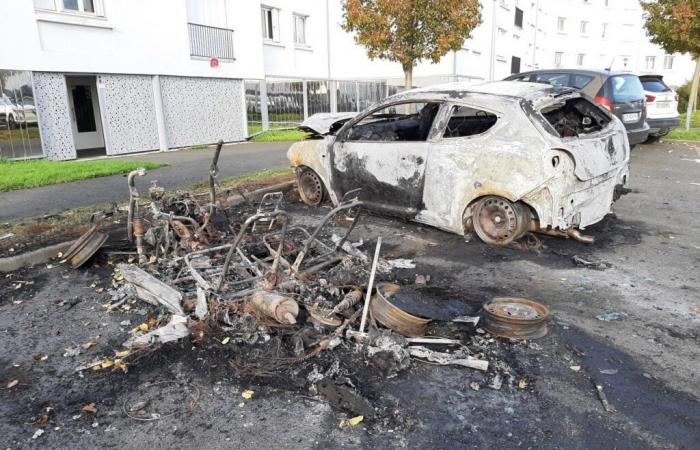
(515, 90)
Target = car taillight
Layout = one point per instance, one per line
(650, 98)
(605, 102)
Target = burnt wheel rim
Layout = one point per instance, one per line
(496, 220)
(517, 318)
(310, 187)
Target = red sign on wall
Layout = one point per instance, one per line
(213, 63)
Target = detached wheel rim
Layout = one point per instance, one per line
(310, 187)
(496, 220)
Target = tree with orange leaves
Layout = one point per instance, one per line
(408, 31)
(675, 26)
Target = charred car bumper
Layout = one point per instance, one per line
(563, 205)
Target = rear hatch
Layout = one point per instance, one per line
(661, 100)
(624, 96)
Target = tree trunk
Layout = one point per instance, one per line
(693, 93)
(408, 77)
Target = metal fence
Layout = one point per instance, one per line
(280, 103)
(210, 42)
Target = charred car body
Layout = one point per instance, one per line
(499, 159)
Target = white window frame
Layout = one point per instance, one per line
(274, 19)
(561, 24)
(668, 62)
(583, 27)
(58, 7)
(652, 60)
(558, 56)
(579, 59)
(303, 18)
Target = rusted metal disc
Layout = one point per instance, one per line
(392, 316)
(79, 243)
(88, 250)
(514, 317)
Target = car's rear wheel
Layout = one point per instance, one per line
(499, 221)
(311, 187)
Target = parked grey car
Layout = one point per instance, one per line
(499, 159)
(618, 92)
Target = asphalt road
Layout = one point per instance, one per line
(185, 168)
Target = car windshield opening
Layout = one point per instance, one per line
(575, 117)
(401, 122)
(467, 121)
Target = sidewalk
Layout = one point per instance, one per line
(185, 168)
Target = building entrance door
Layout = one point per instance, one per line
(85, 113)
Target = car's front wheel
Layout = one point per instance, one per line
(311, 189)
(499, 221)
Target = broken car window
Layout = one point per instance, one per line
(575, 117)
(402, 122)
(466, 121)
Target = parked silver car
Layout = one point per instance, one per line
(498, 159)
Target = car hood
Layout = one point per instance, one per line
(326, 123)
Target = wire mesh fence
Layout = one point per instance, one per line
(289, 102)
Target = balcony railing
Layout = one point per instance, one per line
(210, 42)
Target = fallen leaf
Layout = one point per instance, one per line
(89, 344)
(99, 290)
(60, 255)
(42, 419)
(142, 327)
(40, 357)
(152, 322)
(49, 266)
(106, 363)
(247, 394)
(122, 354)
(119, 364)
(37, 433)
(90, 408)
(575, 368)
(225, 340)
(17, 302)
(12, 384)
(351, 422)
(522, 384)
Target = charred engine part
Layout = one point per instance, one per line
(354, 209)
(283, 309)
(133, 200)
(155, 192)
(575, 116)
(393, 317)
(517, 318)
(213, 172)
(351, 299)
(139, 233)
(246, 271)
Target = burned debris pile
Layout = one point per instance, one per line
(235, 269)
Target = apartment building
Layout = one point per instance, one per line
(92, 77)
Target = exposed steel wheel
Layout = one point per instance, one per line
(498, 221)
(311, 187)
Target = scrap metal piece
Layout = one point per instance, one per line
(517, 318)
(446, 359)
(213, 172)
(151, 289)
(323, 318)
(85, 247)
(394, 317)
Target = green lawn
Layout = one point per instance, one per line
(41, 172)
(246, 178)
(690, 135)
(279, 135)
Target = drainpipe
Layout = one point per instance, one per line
(492, 59)
(160, 116)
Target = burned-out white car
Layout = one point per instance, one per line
(499, 159)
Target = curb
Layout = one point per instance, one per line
(32, 258)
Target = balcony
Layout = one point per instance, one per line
(210, 42)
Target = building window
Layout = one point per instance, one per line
(91, 7)
(579, 59)
(607, 3)
(604, 31)
(668, 62)
(557, 58)
(514, 64)
(584, 26)
(561, 21)
(300, 29)
(518, 17)
(270, 23)
(650, 61)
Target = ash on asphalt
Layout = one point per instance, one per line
(547, 400)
